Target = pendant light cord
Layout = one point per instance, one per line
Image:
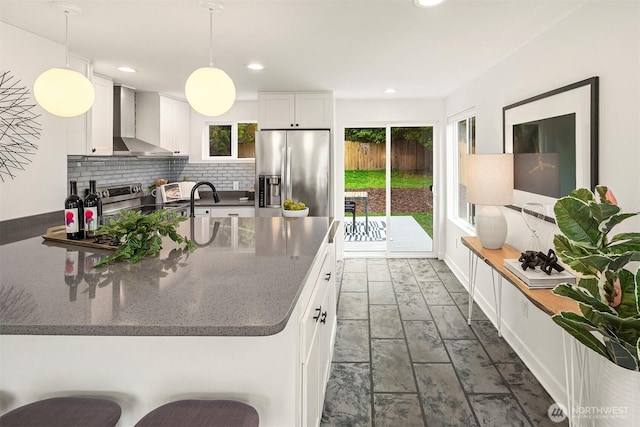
(66, 38)
(210, 37)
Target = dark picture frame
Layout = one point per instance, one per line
(554, 138)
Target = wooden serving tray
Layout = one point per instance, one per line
(58, 234)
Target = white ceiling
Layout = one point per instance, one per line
(355, 48)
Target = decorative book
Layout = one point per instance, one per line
(535, 278)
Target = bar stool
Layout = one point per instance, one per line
(201, 413)
(350, 207)
(64, 411)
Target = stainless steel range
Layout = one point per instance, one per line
(117, 198)
(131, 197)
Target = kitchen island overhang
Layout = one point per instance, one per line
(252, 351)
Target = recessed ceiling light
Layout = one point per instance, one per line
(390, 90)
(255, 66)
(428, 3)
(127, 69)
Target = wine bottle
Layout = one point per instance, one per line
(92, 210)
(73, 213)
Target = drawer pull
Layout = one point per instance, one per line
(327, 276)
(318, 313)
(323, 318)
(233, 214)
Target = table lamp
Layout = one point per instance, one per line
(490, 184)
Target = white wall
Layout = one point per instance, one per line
(599, 39)
(41, 187)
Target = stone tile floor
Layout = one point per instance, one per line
(405, 356)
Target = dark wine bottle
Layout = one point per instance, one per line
(92, 210)
(74, 213)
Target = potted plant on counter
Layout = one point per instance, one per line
(607, 292)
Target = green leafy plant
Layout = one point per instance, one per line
(607, 292)
(141, 234)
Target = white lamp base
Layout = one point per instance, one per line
(491, 227)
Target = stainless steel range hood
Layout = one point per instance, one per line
(125, 142)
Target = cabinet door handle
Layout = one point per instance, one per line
(327, 276)
(318, 313)
(291, 124)
(93, 150)
(297, 124)
(323, 318)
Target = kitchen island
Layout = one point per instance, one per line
(249, 315)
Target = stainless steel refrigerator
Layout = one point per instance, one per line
(293, 165)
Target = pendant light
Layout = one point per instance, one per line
(63, 91)
(209, 90)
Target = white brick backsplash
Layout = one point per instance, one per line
(118, 170)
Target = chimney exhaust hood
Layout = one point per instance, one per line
(125, 142)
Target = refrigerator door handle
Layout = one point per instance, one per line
(289, 189)
(283, 176)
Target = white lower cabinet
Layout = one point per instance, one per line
(318, 327)
(223, 211)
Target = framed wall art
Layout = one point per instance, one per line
(554, 140)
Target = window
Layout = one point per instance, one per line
(235, 140)
(463, 136)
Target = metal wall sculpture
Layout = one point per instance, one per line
(18, 126)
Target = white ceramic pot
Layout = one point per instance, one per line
(617, 396)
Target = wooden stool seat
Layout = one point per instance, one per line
(64, 412)
(201, 413)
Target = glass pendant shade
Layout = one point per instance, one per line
(64, 92)
(210, 91)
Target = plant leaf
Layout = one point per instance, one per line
(581, 295)
(576, 222)
(620, 355)
(637, 290)
(577, 330)
(613, 218)
(629, 303)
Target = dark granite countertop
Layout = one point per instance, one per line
(243, 280)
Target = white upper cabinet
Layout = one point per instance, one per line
(295, 110)
(101, 116)
(92, 134)
(163, 121)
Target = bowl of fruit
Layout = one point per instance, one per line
(294, 210)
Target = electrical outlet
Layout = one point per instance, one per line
(236, 185)
(524, 308)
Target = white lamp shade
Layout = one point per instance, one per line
(210, 91)
(489, 179)
(64, 92)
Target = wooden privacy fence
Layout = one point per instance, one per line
(405, 155)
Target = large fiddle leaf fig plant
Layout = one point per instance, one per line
(607, 291)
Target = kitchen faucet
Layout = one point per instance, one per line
(216, 199)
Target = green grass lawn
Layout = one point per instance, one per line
(356, 179)
(376, 179)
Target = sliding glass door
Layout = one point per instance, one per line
(410, 174)
(388, 189)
